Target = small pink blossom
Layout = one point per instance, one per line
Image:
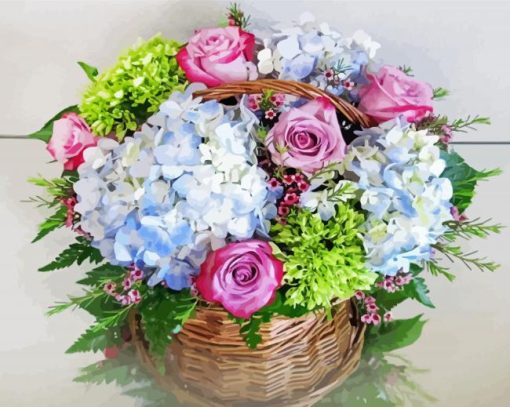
(283, 210)
(299, 178)
(389, 286)
(254, 101)
(359, 295)
(288, 179)
(369, 300)
(348, 84)
(303, 186)
(388, 316)
(134, 296)
(274, 183)
(270, 114)
(69, 203)
(127, 283)
(371, 308)
(366, 318)
(136, 274)
(110, 287)
(447, 134)
(291, 199)
(277, 99)
(457, 216)
(376, 319)
(329, 73)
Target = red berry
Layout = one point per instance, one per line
(111, 352)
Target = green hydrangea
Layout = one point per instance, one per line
(323, 260)
(125, 95)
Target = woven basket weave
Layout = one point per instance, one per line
(299, 359)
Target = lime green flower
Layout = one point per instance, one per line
(126, 94)
(323, 260)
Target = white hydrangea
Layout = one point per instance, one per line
(314, 53)
(399, 171)
(184, 184)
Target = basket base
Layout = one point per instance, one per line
(218, 386)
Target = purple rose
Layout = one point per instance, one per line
(307, 137)
(392, 93)
(242, 276)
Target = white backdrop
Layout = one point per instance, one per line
(462, 46)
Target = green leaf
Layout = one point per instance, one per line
(396, 334)
(463, 178)
(55, 221)
(440, 93)
(107, 371)
(164, 312)
(46, 131)
(95, 340)
(418, 290)
(90, 71)
(76, 253)
(250, 331)
(103, 274)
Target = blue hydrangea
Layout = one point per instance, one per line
(316, 54)
(399, 171)
(184, 184)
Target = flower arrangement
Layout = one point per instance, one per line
(267, 203)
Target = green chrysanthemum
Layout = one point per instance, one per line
(125, 95)
(323, 260)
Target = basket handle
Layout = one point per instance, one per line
(295, 88)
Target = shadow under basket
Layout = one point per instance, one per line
(298, 362)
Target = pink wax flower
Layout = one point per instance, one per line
(388, 316)
(457, 216)
(371, 308)
(391, 93)
(127, 283)
(359, 295)
(307, 138)
(136, 274)
(277, 99)
(71, 136)
(242, 276)
(134, 296)
(218, 55)
(69, 203)
(270, 114)
(109, 288)
(369, 300)
(376, 319)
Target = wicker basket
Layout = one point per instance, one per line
(299, 359)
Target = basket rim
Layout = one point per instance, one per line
(306, 90)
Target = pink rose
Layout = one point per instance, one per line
(218, 55)
(71, 136)
(392, 93)
(242, 276)
(307, 137)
